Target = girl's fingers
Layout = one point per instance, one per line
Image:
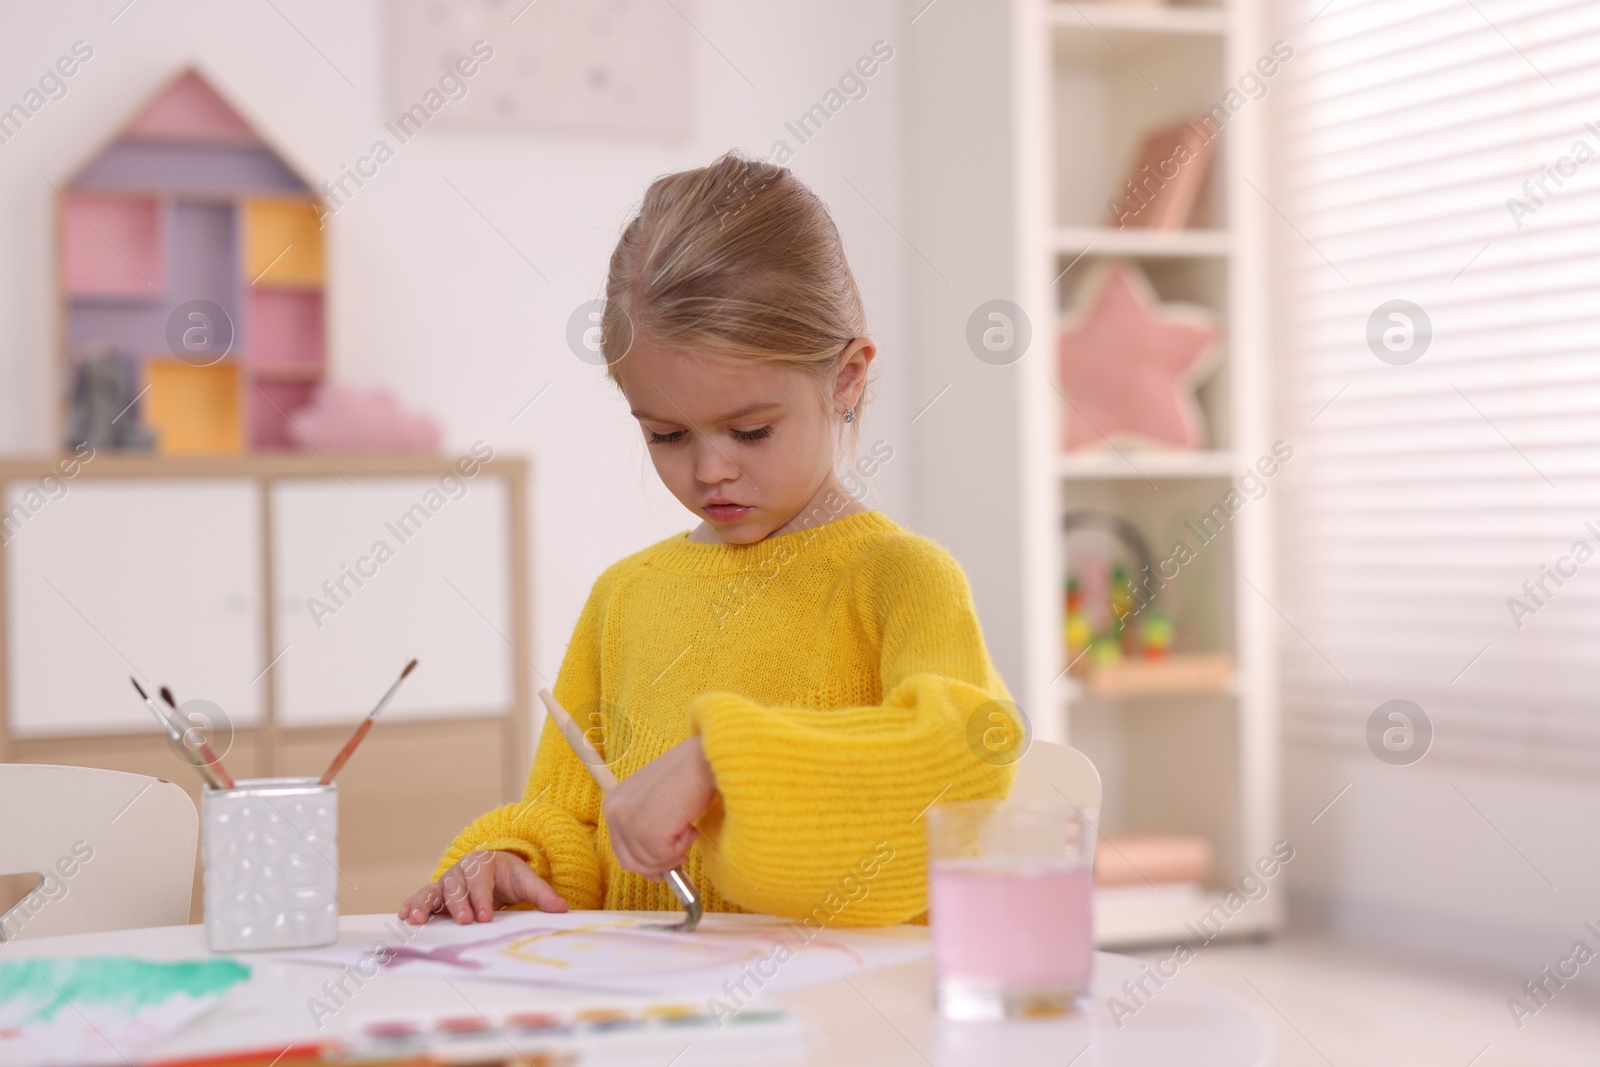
(455, 896)
(680, 843)
(480, 893)
(529, 886)
(423, 903)
(625, 856)
(648, 864)
(672, 853)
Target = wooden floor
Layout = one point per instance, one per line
(1336, 1006)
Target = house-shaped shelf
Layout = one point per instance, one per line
(194, 250)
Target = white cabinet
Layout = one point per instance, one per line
(370, 572)
(151, 577)
(235, 579)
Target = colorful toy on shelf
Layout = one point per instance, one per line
(194, 249)
(1108, 617)
(1105, 651)
(1079, 630)
(1115, 627)
(104, 410)
(1123, 605)
(1156, 633)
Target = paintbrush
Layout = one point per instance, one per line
(677, 880)
(201, 745)
(361, 731)
(173, 733)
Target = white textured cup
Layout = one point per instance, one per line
(271, 849)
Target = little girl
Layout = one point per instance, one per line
(786, 688)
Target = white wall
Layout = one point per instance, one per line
(427, 299)
(973, 488)
(1482, 865)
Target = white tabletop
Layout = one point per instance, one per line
(880, 1018)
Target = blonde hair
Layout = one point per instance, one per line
(740, 259)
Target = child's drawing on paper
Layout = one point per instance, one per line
(621, 953)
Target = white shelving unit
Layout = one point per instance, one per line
(1177, 244)
(1008, 181)
(1091, 80)
(1210, 463)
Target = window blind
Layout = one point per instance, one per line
(1432, 535)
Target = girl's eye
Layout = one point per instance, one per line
(677, 435)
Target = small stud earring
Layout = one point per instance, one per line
(850, 415)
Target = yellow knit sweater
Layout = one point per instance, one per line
(835, 676)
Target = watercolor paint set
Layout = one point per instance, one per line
(646, 1034)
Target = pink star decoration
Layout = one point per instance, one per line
(1129, 365)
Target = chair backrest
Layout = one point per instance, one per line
(115, 850)
(1048, 771)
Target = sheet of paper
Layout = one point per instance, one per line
(728, 956)
(92, 1010)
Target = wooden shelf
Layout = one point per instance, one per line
(1131, 465)
(152, 296)
(1131, 241)
(263, 465)
(270, 373)
(1128, 18)
(1177, 674)
(1115, 35)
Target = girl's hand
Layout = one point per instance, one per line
(652, 813)
(476, 884)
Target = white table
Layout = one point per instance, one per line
(881, 1018)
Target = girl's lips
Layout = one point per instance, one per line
(727, 512)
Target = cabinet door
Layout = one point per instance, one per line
(156, 577)
(374, 571)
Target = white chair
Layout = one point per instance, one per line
(115, 850)
(1048, 771)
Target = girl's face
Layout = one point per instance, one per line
(748, 446)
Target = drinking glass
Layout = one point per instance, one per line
(1010, 906)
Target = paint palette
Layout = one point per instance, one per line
(646, 1034)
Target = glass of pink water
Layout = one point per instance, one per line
(1009, 898)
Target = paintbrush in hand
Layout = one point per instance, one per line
(677, 879)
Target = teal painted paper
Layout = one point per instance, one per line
(118, 982)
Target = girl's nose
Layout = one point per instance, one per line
(711, 463)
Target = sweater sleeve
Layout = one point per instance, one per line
(821, 811)
(553, 826)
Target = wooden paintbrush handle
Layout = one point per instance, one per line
(215, 764)
(344, 753)
(580, 744)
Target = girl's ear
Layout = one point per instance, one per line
(850, 380)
